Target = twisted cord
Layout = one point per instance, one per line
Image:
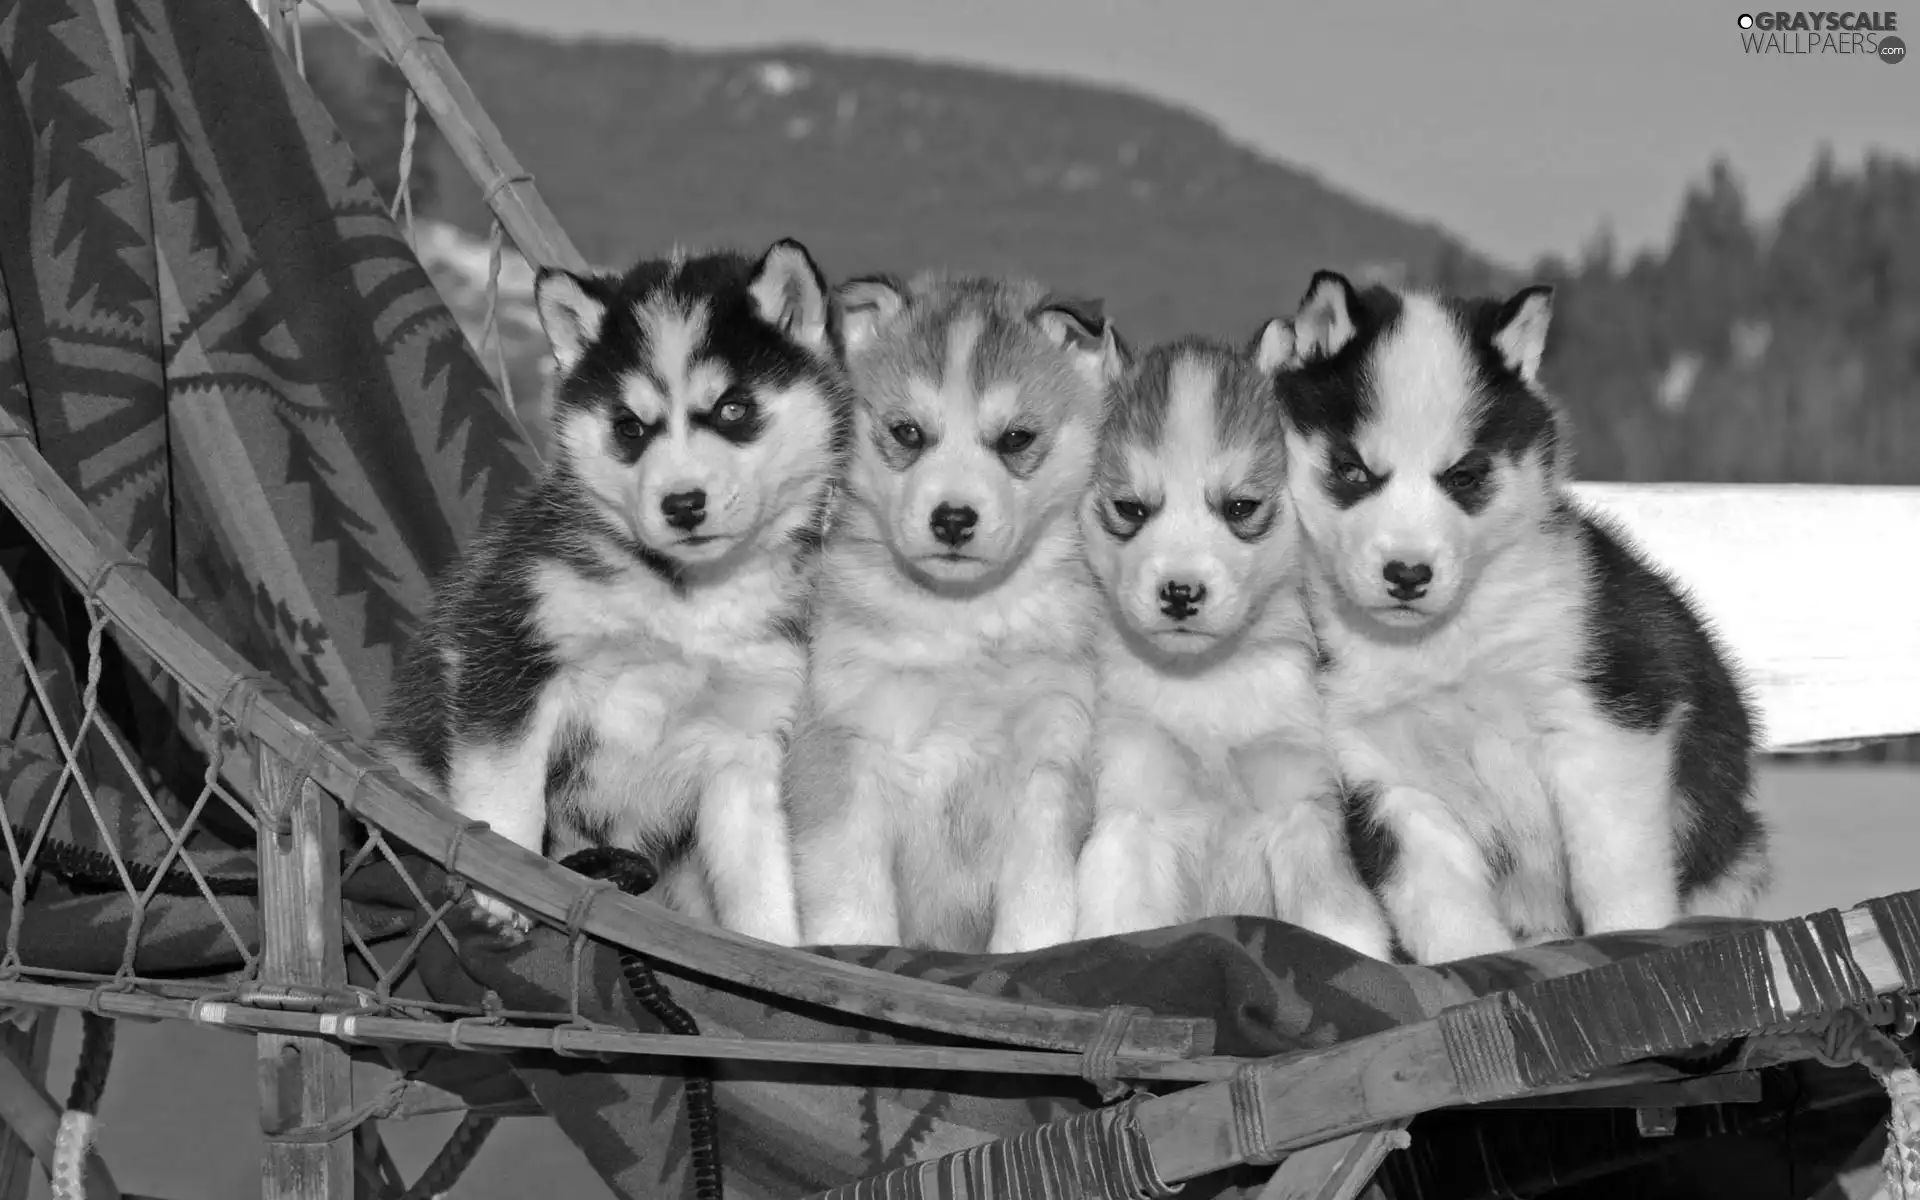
(634, 875)
(73, 1142)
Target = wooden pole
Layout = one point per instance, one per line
(443, 92)
(303, 1080)
(26, 1051)
(279, 26)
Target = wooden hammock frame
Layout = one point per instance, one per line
(1331, 1114)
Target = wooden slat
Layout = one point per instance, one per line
(279, 27)
(1343, 1089)
(444, 93)
(1732, 1087)
(1335, 1170)
(303, 1080)
(154, 620)
(1811, 587)
(25, 1051)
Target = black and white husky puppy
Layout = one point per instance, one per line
(1540, 736)
(618, 660)
(1215, 791)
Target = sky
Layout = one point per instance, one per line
(1521, 125)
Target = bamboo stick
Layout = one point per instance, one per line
(279, 25)
(595, 1040)
(153, 619)
(1634, 1082)
(303, 1080)
(443, 92)
(26, 1051)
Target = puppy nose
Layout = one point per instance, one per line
(1407, 581)
(953, 524)
(1181, 600)
(685, 510)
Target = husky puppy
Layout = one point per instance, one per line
(618, 660)
(938, 779)
(1540, 736)
(1215, 793)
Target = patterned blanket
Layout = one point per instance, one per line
(219, 340)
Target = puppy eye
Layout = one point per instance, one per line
(1131, 511)
(1013, 441)
(1241, 509)
(735, 408)
(1467, 476)
(908, 434)
(1352, 470)
(629, 429)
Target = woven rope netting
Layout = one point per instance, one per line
(134, 889)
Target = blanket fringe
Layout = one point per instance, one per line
(1098, 1155)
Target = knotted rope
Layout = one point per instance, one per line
(1853, 1037)
(73, 1142)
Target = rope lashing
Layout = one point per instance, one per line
(391, 1100)
(451, 858)
(500, 184)
(1851, 1037)
(1097, 1060)
(634, 874)
(490, 331)
(1250, 1117)
(403, 190)
(73, 1142)
(1845, 1030)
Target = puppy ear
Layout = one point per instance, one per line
(570, 311)
(866, 306)
(1273, 346)
(1520, 330)
(1324, 324)
(1080, 327)
(790, 294)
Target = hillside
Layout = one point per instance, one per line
(890, 164)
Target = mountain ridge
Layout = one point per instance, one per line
(884, 162)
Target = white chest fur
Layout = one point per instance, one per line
(1252, 696)
(949, 685)
(941, 794)
(656, 675)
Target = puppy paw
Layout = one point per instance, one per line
(499, 917)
